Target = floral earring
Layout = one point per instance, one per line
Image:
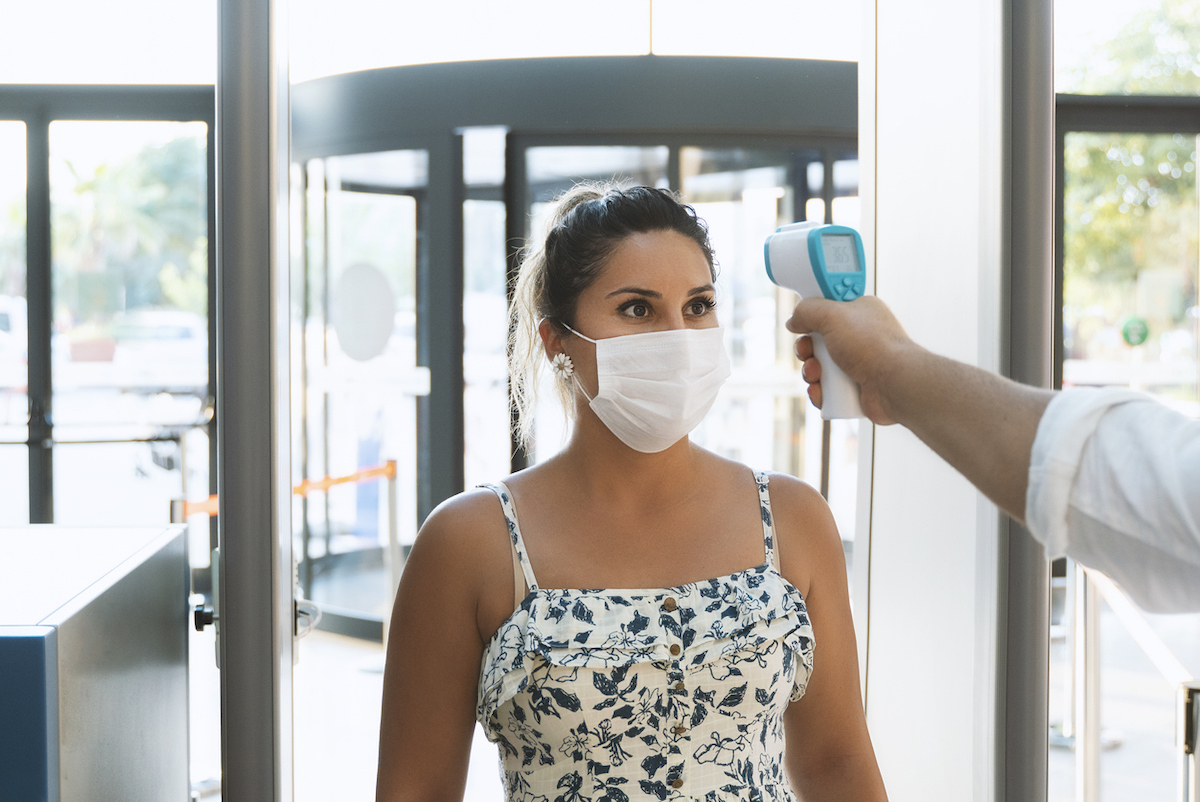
(562, 366)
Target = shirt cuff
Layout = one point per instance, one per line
(1065, 427)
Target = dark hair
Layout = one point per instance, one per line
(586, 224)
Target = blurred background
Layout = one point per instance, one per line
(131, 337)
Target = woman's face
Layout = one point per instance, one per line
(654, 281)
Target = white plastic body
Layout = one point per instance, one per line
(791, 267)
(839, 393)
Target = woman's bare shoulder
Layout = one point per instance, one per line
(795, 494)
(805, 532)
(465, 532)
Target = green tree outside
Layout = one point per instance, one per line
(1131, 218)
(132, 235)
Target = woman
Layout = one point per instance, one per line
(690, 674)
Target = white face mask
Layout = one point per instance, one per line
(654, 388)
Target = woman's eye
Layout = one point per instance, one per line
(638, 310)
(700, 307)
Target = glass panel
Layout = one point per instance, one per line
(360, 339)
(1130, 318)
(483, 156)
(554, 170)
(14, 473)
(1137, 714)
(551, 171)
(1130, 315)
(846, 210)
(488, 449)
(776, 28)
(129, 350)
(1060, 769)
(110, 483)
(1124, 47)
(355, 391)
(362, 34)
(485, 370)
(121, 42)
(14, 330)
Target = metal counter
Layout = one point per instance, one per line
(93, 664)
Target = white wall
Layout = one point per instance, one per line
(932, 153)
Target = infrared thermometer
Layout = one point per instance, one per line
(822, 261)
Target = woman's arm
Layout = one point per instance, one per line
(829, 752)
(433, 654)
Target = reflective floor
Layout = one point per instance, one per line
(337, 698)
(338, 682)
(1137, 709)
(337, 687)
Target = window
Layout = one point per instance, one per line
(1129, 268)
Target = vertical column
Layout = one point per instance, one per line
(212, 412)
(440, 328)
(252, 386)
(1025, 589)
(516, 211)
(1087, 688)
(935, 564)
(40, 306)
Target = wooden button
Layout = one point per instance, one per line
(669, 605)
(679, 686)
(677, 783)
(680, 730)
(675, 650)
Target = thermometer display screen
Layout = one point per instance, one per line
(840, 254)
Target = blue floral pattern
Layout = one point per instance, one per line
(660, 694)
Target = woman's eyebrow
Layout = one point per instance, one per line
(655, 294)
(635, 291)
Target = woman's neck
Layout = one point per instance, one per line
(602, 466)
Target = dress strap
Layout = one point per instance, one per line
(768, 521)
(514, 532)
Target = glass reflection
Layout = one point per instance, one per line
(14, 329)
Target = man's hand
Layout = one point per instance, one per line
(866, 341)
(980, 423)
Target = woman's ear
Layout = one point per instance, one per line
(552, 338)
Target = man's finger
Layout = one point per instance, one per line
(804, 348)
(809, 315)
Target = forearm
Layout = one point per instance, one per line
(853, 778)
(982, 424)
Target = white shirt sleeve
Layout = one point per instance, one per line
(1114, 483)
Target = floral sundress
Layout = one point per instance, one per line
(659, 694)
